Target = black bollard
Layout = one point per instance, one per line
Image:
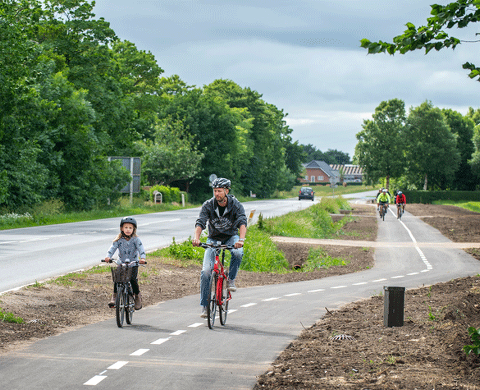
(393, 308)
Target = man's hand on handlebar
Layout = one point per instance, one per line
(108, 259)
(196, 242)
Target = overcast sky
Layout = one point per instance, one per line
(303, 56)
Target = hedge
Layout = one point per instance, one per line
(169, 194)
(427, 197)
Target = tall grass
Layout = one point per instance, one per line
(313, 222)
(52, 212)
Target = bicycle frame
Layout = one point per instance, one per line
(219, 296)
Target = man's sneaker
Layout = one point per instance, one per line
(231, 285)
(204, 312)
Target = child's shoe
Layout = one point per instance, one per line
(138, 301)
(112, 302)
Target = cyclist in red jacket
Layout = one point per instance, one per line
(401, 200)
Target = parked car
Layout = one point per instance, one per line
(305, 193)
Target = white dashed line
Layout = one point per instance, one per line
(335, 287)
(248, 305)
(270, 299)
(159, 341)
(117, 365)
(292, 295)
(95, 380)
(231, 311)
(314, 291)
(397, 277)
(177, 333)
(195, 325)
(359, 283)
(139, 352)
(413, 273)
(378, 280)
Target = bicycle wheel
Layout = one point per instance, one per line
(120, 307)
(383, 214)
(129, 308)
(399, 212)
(212, 300)
(223, 308)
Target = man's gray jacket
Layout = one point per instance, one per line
(222, 227)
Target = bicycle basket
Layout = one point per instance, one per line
(121, 274)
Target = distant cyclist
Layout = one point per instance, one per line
(401, 200)
(227, 222)
(384, 198)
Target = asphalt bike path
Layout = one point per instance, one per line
(170, 346)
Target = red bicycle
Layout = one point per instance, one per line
(218, 294)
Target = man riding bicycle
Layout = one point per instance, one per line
(384, 198)
(227, 223)
(401, 200)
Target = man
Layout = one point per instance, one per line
(227, 223)
(384, 198)
(401, 200)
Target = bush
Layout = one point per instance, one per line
(428, 197)
(169, 194)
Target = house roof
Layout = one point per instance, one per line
(348, 169)
(316, 164)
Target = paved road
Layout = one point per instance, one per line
(37, 253)
(171, 347)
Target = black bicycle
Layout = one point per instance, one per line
(383, 210)
(125, 301)
(218, 294)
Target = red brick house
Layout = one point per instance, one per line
(318, 172)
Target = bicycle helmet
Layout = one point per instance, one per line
(221, 183)
(128, 220)
(384, 190)
(399, 193)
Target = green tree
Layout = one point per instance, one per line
(462, 127)
(432, 36)
(380, 147)
(432, 154)
(172, 156)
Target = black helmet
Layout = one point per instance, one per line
(128, 220)
(221, 183)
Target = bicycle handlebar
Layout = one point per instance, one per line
(216, 246)
(131, 263)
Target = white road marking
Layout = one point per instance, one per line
(177, 333)
(397, 277)
(314, 291)
(117, 365)
(159, 341)
(292, 295)
(231, 311)
(195, 325)
(378, 280)
(95, 380)
(359, 284)
(413, 273)
(270, 299)
(248, 305)
(338, 287)
(139, 352)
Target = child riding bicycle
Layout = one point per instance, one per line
(130, 248)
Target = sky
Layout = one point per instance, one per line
(303, 56)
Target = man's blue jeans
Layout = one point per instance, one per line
(209, 261)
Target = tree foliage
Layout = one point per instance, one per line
(380, 147)
(457, 14)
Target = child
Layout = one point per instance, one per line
(129, 247)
